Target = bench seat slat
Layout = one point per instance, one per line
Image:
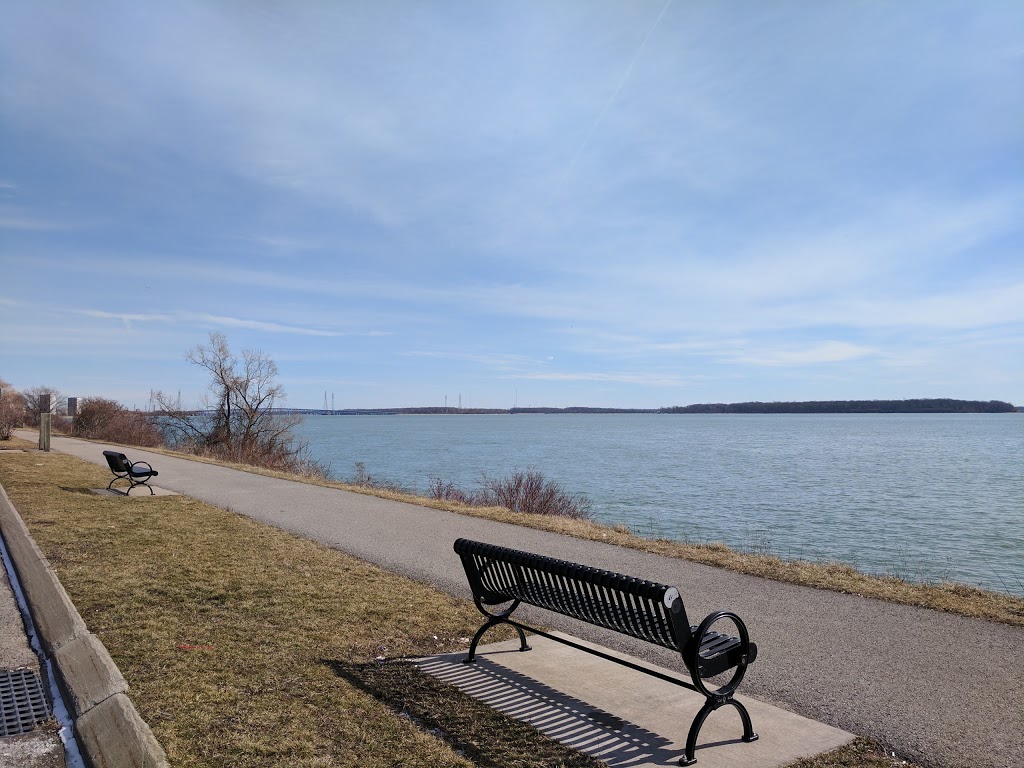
(610, 600)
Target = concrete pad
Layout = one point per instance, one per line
(622, 716)
(138, 493)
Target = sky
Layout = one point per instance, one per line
(582, 203)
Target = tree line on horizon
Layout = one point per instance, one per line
(243, 418)
(915, 405)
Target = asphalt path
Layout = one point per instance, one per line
(943, 690)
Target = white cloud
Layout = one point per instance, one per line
(496, 360)
(126, 318)
(815, 354)
(266, 327)
(206, 320)
(642, 378)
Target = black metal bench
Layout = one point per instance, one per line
(136, 473)
(641, 609)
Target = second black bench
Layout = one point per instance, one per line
(136, 473)
(641, 609)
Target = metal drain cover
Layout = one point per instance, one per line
(23, 703)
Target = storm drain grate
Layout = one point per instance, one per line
(23, 702)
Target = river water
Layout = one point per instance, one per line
(925, 497)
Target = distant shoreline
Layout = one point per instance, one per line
(920, 405)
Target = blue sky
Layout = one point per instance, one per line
(629, 204)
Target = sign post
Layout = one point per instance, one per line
(44, 423)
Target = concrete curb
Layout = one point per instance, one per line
(110, 731)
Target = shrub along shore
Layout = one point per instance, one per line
(949, 597)
(246, 645)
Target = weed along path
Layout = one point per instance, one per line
(942, 689)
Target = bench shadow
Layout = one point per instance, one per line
(70, 489)
(487, 737)
(575, 723)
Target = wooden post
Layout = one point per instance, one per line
(44, 422)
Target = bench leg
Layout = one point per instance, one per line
(491, 622)
(698, 722)
(143, 484)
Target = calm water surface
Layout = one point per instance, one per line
(925, 497)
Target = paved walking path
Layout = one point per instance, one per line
(944, 690)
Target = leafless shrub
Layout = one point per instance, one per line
(61, 424)
(12, 413)
(366, 480)
(445, 490)
(530, 492)
(525, 491)
(99, 418)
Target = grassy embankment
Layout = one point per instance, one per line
(954, 598)
(245, 645)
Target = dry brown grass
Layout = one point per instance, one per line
(16, 443)
(951, 598)
(230, 632)
(860, 753)
(247, 646)
(959, 599)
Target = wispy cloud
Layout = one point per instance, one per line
(219, 321)
(14, 218)
(259, 325)
(815, 354)
(280, 245)
(496, 360)
(641, 378)
(124, 317)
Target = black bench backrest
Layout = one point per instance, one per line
(643, 609)
(117, 462)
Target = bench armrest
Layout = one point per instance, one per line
(721, 653)
(141, 468)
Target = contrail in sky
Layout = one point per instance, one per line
(622, 82)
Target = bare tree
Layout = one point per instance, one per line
(34, 397)
(239, 420)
